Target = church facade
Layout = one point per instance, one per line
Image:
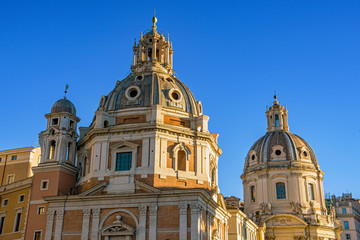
(147, 168)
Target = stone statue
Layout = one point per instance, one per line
(266, 208)
(297, 208)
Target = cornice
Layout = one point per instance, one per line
(151, 127)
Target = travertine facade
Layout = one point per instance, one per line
(283, 184)
(147, 168)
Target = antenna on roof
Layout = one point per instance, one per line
(66, 88)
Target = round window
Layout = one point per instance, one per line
(175, 95)
(305, 154)
(278, 152)
(139, 77)
(132, 92)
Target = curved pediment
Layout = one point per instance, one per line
(285, 220)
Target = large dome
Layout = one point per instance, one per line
(279, 147)
(147, 89)
(63, 105)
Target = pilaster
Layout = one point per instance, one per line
(95, 224)
(85, 224)
(142, 223)
(183, 209)
(153, 221)
(195, 220)
(49, 224)
(59, 224)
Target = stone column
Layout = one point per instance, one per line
(142, 223)
(85, 224)
(183, 221)
(59, 224)
(153, 221)
(95, 224)
(195, 221)
(49, 224)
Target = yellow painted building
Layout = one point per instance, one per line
(15, 188)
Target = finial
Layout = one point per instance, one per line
(275, 96)
(66, 88)
(154, 19)
(134, 42)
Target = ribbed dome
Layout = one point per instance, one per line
(279, 147)
(145, 90)
(63, 105)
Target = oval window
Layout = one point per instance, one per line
(132, 92)
(278, 152)
(175, 95)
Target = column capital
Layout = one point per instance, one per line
(183, 207)
(50, 214)
(60, 213)
(153, 209)
(195, 207)
(142, 210)
(96, 212)
(86, 212)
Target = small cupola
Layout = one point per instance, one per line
(277, 117)
(153, 52)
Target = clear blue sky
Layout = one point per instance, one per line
(232, 55)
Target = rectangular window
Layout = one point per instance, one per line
(280, 190)
(123, 161)
(21, 198)
(348, 236)
(346, 224)
(5, 202)
(54, 121)
(41, 211)
(44, 185)
(0, 159)
(37, 235)
(2, 222)
(10, 179)
(311, 191)
(344, 210)
(14, 157)
(17, 222)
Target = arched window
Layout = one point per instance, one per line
(277, 124)
(311, 191)
(213, 173)
(69, 151)
(52, 149)
(181, 158)
(149, 54)
(106, 124)
(252, 194)
(280, 190)
(84, 167)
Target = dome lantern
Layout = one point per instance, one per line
(153, 52)
(277, 119)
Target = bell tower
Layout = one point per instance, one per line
(58, 141)
(56, 173)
